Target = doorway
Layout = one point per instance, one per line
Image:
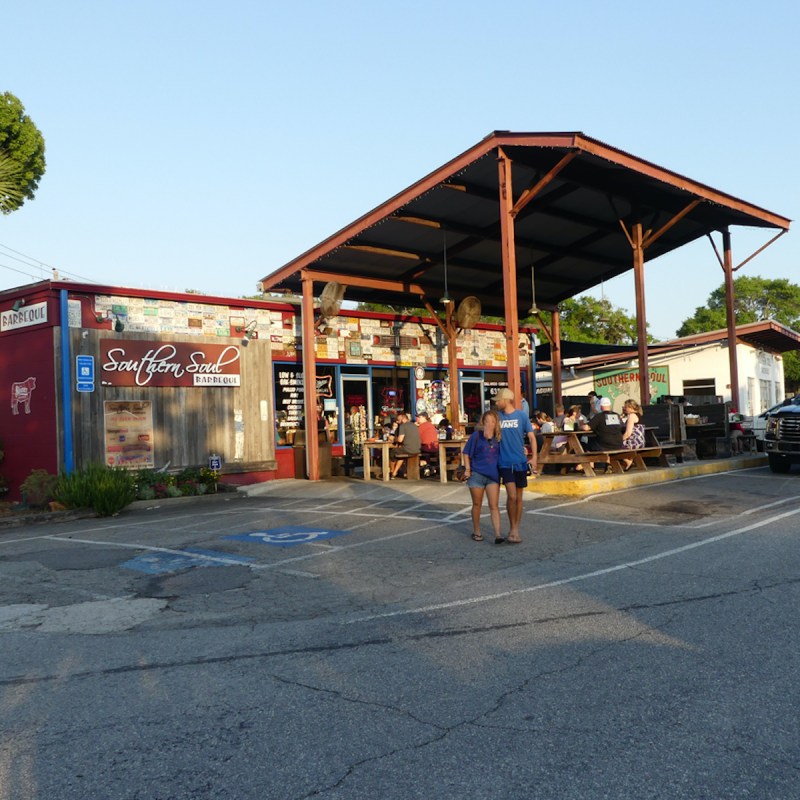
(472, 399)
(355, 392)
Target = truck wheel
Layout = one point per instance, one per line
(780, 464)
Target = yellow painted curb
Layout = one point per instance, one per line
(578, 486)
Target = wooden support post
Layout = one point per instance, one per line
(310, 377)
(507, 243)
(730, 315)
(555, 356)
(452, 366)
(637, 238)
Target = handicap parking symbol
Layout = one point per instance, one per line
(158, 563)
(288, 535)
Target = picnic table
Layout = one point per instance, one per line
(367, 449)
(573, 453)
(412, 461)
(444, 446)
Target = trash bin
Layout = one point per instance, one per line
(325, 466)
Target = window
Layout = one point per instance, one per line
(700, 386)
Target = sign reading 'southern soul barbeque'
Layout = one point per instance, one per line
(137, 363)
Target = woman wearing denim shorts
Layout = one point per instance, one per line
(481, 455)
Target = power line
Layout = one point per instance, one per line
(21, 272)
(36, 263)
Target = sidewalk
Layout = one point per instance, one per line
(431, 491)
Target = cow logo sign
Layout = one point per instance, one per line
(21, 392)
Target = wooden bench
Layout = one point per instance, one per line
(677, 450)
(412, 465)
(616, 457)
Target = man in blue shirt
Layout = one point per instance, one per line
(513, 463)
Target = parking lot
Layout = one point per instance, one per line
(349, 641)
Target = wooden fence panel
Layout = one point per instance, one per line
(190, 423)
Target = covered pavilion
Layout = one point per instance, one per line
(523, 221)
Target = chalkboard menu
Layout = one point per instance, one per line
(290, 394)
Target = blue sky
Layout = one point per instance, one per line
(202, 145)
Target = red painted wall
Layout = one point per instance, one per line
(30, 435)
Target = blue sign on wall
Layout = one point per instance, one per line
(157, 563)
(288, 535)
(84, 373)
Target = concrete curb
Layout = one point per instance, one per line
(570, 486)
(431, 491)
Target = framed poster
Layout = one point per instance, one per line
(354, 349)
(128, 437)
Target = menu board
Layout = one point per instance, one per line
(290, 392)
(129, 434)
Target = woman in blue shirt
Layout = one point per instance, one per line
(481, 456)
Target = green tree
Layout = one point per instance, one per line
(755, 299)
(383, 308)
(587, 319)
(22, 151)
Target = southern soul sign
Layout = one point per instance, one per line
(136, 363)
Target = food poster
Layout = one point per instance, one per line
(129, 434)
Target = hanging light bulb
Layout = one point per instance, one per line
(445, 299)
(533, 309)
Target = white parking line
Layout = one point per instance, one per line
(135, 546)
(607, 521)
(575, 578)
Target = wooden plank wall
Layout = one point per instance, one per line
(190, 423)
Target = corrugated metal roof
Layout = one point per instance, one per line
(570, 234)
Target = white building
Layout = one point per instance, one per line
(693, 367)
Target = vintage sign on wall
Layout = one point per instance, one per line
(620, 385)
(35, 314)
(137, 363)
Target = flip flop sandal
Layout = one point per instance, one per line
(476, 537)
(500, 540)
(514, 541)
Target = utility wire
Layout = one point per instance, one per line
(37, 264)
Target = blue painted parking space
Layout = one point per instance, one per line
(288, 535)
(158, 563)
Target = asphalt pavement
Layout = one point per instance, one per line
(352, 641)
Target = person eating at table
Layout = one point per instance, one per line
(513, 462)
(407, 441)
(607, 427)
(428, 435)
(481, 454)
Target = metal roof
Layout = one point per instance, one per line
(766, 334)
(570, 233)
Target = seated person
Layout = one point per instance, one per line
(407, 441)
(445, 429)
(428, 435)
(737, 432)
(572, 420)
(542, 423)
(633, 435)
(608, 428)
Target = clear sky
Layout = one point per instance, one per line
(202, 145)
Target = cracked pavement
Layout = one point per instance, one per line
(639, 644)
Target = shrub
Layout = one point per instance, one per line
(39, 488)
(101, 488)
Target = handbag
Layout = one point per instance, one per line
(461, 473)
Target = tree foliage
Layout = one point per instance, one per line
(755, 299)
(583, 319)
(587, 319)
(22, 150)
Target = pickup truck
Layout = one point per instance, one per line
(782, 436)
